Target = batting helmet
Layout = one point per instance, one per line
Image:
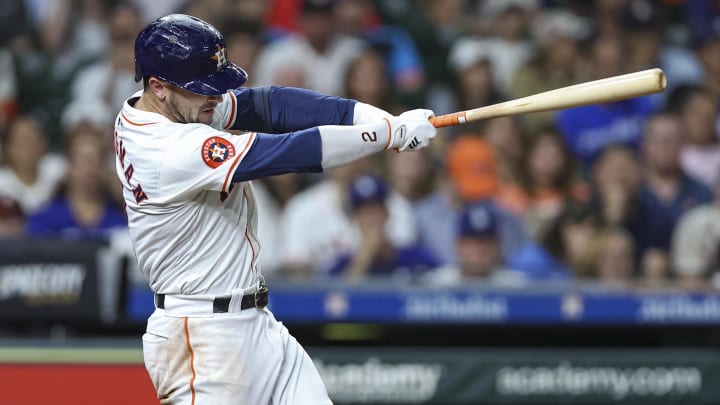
(187, 52)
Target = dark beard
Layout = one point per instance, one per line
(175, 111)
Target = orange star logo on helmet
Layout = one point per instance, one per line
(220, 57)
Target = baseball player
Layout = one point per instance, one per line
(193, 216)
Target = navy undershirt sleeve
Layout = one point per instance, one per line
(276, 109)
(295, 152)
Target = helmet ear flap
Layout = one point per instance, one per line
(138, 72)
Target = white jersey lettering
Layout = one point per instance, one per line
(177, 185)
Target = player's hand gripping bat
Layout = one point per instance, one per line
(594, 92)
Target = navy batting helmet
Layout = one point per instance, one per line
(187, 52)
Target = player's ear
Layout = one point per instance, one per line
(158, 87)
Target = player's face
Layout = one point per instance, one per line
(187, 107)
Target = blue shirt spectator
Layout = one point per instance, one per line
(438, 218)
(588, 129)
(479, 256)
(84, 208)
(58, 219)
(655, 219)
(413, 259)
(534, 262)
(665, 192)
(376, 254)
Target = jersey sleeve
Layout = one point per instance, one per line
(202, 159)
(276, 109)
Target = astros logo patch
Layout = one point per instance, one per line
(216, 151)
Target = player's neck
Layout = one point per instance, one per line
(148, 103)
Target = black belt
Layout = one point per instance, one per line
(221, 303)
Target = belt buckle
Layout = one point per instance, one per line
(261, 296)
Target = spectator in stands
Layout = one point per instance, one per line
(696, 245)
(74, 30)
(613, 260)
(700, 19)
(317, 49)
(8, 91)
(708, 50)
(366, 80)
(410, 174)
(478, 246)
(12, 218)
(273, 194)
(87, 111)
(30, 175)
(111, 78)
(397, 49)
(284, 15)
(698, 110)
(251, 12)
(244, 40)
(666, 192)
(588, 129)
(655, 269)
(644, 32)
(67, 36)
(478, 249)
(470, 176)
(508, 143)
(316, 226)
(150, 10)
(571, 238)
(511, 47)
(376, 255)
(615, 183)
(551, 180)
(84, 207)
(14, 24)
(606, 15)
(433, 27)
(212, 11)
(470, 60)
(556, 64)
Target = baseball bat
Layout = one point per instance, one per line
(594, 92)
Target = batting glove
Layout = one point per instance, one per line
(412, 130)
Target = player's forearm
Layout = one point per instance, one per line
(344, 144)
(276, 109)
(312, 150)
(327, 146)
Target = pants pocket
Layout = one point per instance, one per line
(155, 355)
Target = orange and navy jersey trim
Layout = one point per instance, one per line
(137, 124)
(233, 110)
(228, 176)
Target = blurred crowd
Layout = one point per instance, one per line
(627, 193)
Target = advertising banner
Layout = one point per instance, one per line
(49, 280)
(519, 376)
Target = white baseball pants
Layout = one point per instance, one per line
(244, 357)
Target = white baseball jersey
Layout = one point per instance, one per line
(177, 184)
(194, 233)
